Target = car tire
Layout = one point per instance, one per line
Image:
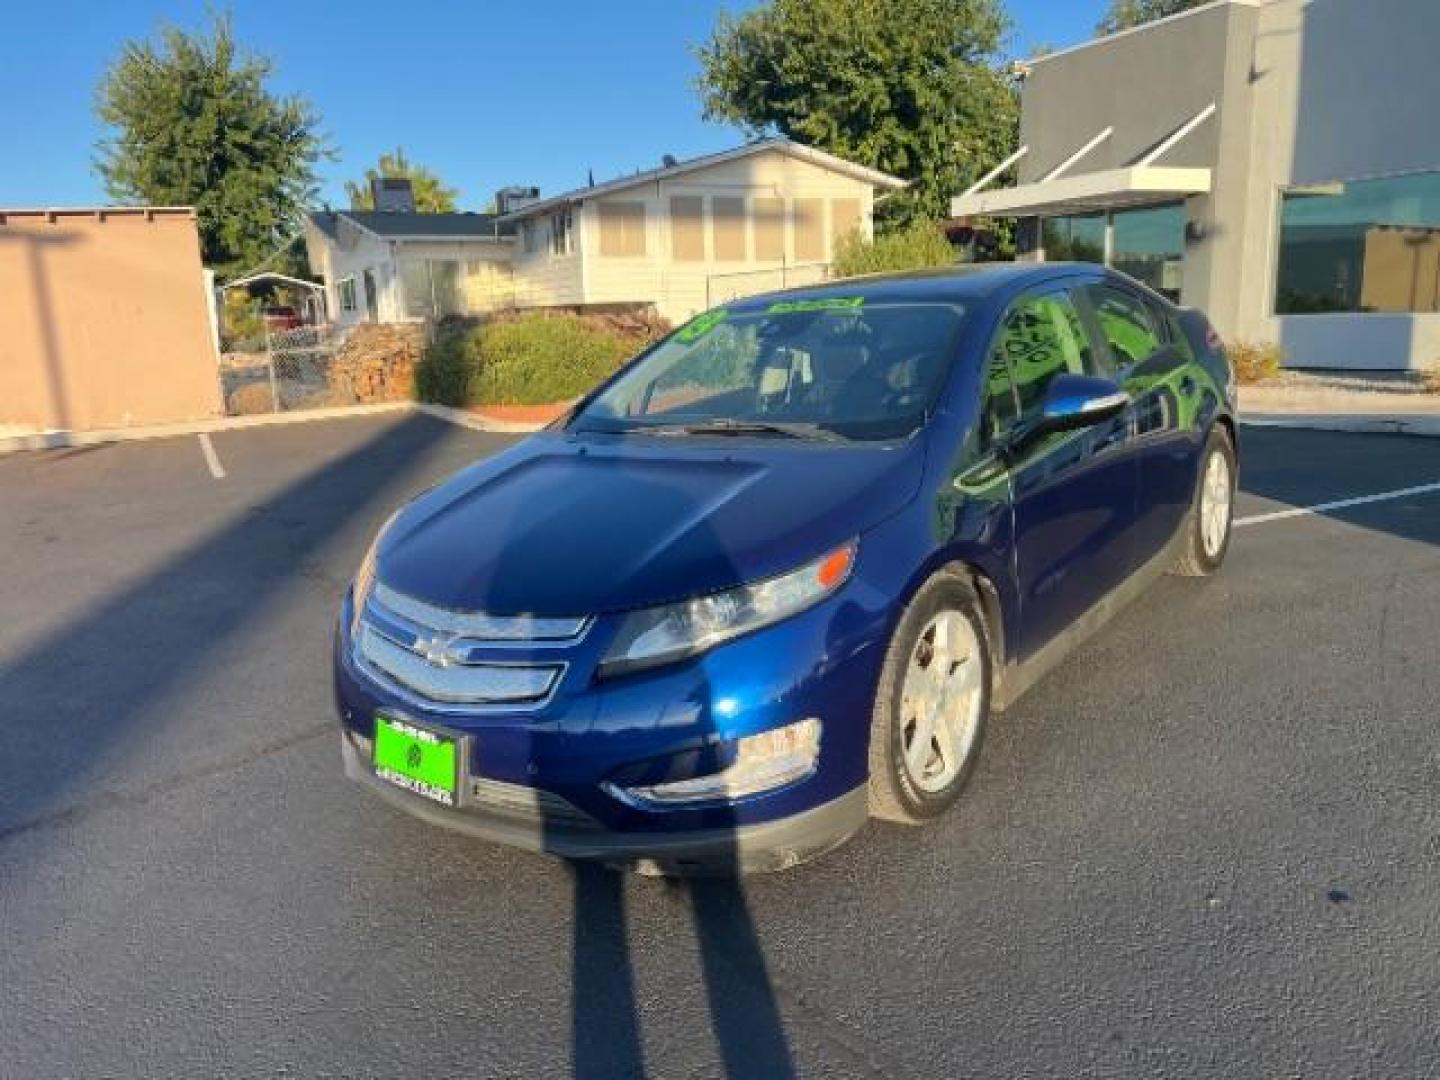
(1207, 537)
(897, 793)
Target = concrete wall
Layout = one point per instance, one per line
(103, 320)
(1146, 84)
(1349, 92)
(1308, 91)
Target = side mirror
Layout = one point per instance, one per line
(1072, 402)
(1077, 401)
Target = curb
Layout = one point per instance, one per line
(473, 420)
(1421, 426)
(60, 440)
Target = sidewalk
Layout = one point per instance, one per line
(1343, 403)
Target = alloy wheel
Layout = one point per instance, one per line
(941, 700)
(1215, 500)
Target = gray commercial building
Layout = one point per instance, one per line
(1275, 162)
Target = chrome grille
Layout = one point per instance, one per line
(460, 660)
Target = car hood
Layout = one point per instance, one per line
(581, 525)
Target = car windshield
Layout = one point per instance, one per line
(832, 368)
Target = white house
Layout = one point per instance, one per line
(394, 266)
(680, 238)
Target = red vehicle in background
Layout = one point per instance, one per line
(279, 319)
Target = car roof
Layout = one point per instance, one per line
(951, 283)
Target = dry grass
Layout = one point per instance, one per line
(1255, 362)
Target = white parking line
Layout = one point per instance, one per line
(1339, 504)
(212, 459)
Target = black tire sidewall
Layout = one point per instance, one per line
(943, 593)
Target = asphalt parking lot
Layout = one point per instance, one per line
(1205, 846)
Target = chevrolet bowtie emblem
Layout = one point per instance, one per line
(439, 651)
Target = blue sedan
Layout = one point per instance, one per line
(774, 576)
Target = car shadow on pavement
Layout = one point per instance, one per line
(1299, 468)
(88, 697)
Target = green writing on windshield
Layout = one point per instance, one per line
(836, 303)
(701, 325)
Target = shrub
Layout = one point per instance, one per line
(1255, 361)
(535, 358)
(912, 248)
(445, 368)
(1432, 379)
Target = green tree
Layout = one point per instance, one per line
(431, 194)
(911, 87)
(191, 123)
(1123, 14)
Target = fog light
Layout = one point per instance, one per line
(762, 763)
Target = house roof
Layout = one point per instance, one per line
(785, 146)
(394, 225)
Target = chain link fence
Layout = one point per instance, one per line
(292, 372)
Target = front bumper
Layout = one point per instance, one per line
(553, 827)
(551, 778)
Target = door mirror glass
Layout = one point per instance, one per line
(1077, 401)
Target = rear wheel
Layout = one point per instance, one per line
(932, 703)
(1212, 510)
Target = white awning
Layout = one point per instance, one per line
(1138, 185)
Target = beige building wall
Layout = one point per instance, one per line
(103, 320)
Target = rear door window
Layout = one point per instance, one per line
(1127, 323)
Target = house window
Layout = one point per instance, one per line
(622, 228)
(844, 217)
(561, 232)
(347, 294)
(809, 230)
(727, 225)
(529, 236)
(687, 228)
(432, 288)
(769, 215)
(1360, 246)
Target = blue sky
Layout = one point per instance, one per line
(487, 93)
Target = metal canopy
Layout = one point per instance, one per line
(1136, 185)
(284, 279)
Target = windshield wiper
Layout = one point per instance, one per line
(756, 427)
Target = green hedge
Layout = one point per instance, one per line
(914, 248)
(529, 359)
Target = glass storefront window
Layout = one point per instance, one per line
(1360, 246)
(1075, 239)
(1149, 245)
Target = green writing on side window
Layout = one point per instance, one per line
(701, 325)
(838, 303)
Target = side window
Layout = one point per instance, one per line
(1042, 337)
(1127, 323)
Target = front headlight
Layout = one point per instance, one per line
(664, 634)
(365, 575)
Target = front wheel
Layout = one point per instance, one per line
(932, 703)
(1212, 511)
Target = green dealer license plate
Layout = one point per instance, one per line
(416, 759)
